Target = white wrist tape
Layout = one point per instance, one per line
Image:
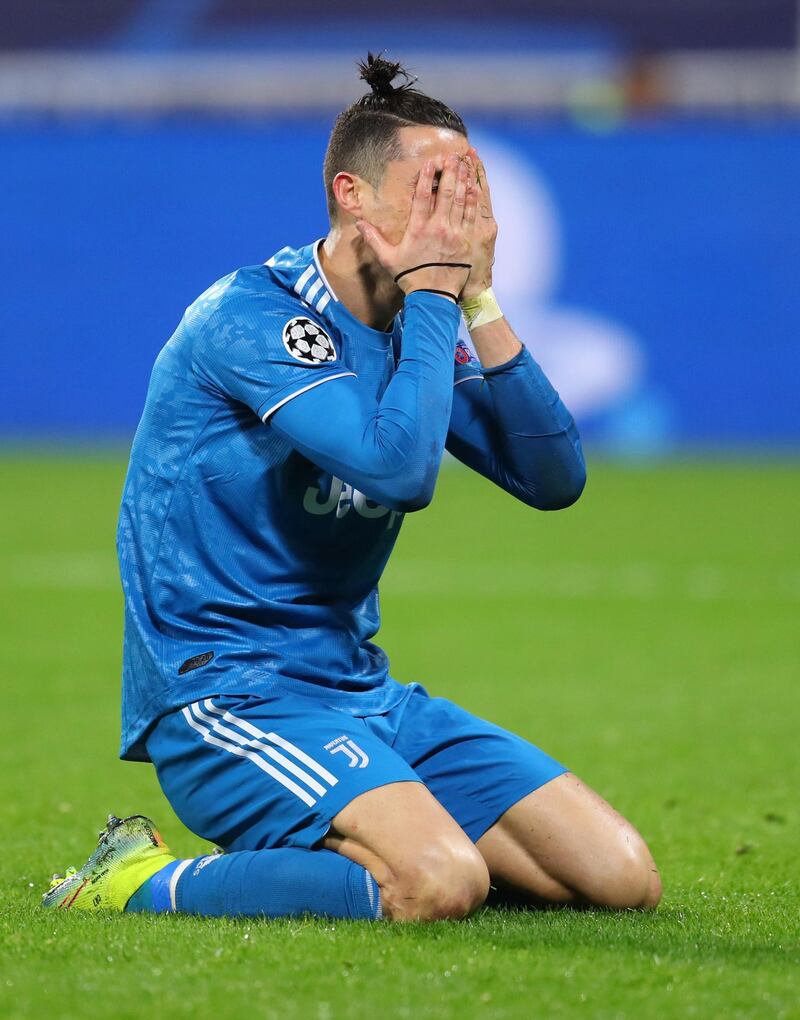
(479, 310)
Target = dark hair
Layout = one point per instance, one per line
(364, 137)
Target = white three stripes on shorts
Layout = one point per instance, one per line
(290, 766)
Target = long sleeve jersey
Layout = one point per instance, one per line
(281, 444)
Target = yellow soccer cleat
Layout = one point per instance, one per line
(129, 851)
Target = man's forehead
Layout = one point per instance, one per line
(436, 143)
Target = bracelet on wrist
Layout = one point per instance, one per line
(431, 265)
(481, 309)
(430, 290)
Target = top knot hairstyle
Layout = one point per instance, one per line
(365, 136)
(379, 75)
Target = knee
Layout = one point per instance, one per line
(447, 881)
(628, 878)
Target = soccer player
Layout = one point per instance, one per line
(300, 409)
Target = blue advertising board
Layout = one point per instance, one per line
(654, 270)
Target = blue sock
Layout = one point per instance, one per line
(154, 895)
(262, 883)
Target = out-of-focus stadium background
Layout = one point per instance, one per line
(644, 154)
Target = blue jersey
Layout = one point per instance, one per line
(245, 566)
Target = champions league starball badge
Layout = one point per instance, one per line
(308, 342)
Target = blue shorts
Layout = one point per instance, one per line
(251, 773)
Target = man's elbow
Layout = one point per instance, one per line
(413, 498)
(407, 490)
(560, 495)
(412, 493)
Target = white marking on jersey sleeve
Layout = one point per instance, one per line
(304, 389)
(298, 287)
(313, 290)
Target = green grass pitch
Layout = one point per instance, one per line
(649, 637)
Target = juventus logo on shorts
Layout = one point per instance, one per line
(278, 757)
(356, 758)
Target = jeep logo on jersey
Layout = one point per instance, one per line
(341, 499)
(308, 342)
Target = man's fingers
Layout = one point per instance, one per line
(471, 208)
(423, 194)
(460, 194)
(447, 188)
(375, 239)
(483, 183)
(472, 168)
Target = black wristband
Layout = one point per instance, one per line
(429, 265)
(428, 290)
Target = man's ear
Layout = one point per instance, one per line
(348, 190)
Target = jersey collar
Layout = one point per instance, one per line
(299, 270)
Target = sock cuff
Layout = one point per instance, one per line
(164, 897)
(363, 894)
(175, 892)
(285, 882)
(374, 894)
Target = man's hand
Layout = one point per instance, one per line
(484, 235)
(440, 229)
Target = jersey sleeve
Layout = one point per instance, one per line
(513, 429)
(388, 446)
(466, 365)
(264, 353)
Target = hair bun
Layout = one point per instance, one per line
(379, 74)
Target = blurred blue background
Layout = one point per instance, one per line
(645, 170)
